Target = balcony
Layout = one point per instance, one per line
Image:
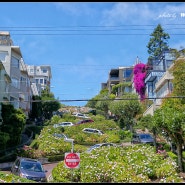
(167, 76)
(152, 76)
(114, 79)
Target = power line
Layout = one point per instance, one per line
(108, 99)
(119, 34)
(88, 28)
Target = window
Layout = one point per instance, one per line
(15, 82)
(31, 71)
(3, 55)
(44, 71)
(41, 81)
(14, 62)
(127, 73)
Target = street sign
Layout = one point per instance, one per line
(72, 160)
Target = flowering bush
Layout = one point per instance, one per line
(139, 79)
(131, 164)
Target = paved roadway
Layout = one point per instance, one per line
(49, 167)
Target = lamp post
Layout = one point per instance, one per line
(70, 141)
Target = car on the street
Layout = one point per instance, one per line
(63, 124)
(84, 121)
(60, 135)
(31, 169)
(99, 145)
(142, 138)
(80, 115)
(92, 131)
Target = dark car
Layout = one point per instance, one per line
(142, 138)
(85, 121)
(29, 168)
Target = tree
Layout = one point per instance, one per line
(178, 71)
(49, 103)
(14, 121)
(127, 109)
(104, 100)
(170, 118)
(36, 107)
(92, 102)
(158, 42)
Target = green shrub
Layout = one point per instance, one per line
(167, 147)
(172, 155)
(183, 154)
(34, 144)
(54, 158)
(55, 119)
(10, 178)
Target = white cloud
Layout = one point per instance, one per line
(143, 13)
(75, 8)
(127, 13)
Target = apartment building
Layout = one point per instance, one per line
(117, 76)
(40, 77)
(159, 80)
(19, 81)
(19, 92)
(4, 87)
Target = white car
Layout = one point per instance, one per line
(63, 124)
(92, 131)
(100, 145)
(80, 115)
(60, 135)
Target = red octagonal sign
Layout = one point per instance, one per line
(72, 160)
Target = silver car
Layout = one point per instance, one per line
(60, 135)
(100, 145)
(63, 124)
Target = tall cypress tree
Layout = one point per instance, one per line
(158, 42)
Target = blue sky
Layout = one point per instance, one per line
(83, 41)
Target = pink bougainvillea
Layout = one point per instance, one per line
(139, 79)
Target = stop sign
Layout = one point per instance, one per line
(72, 160)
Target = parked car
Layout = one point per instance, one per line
(63, 124)
(92, 131)
(142, 138)
(85, 121)
(99, 145)
(31, 169)
(60, 135)
(80, 115)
